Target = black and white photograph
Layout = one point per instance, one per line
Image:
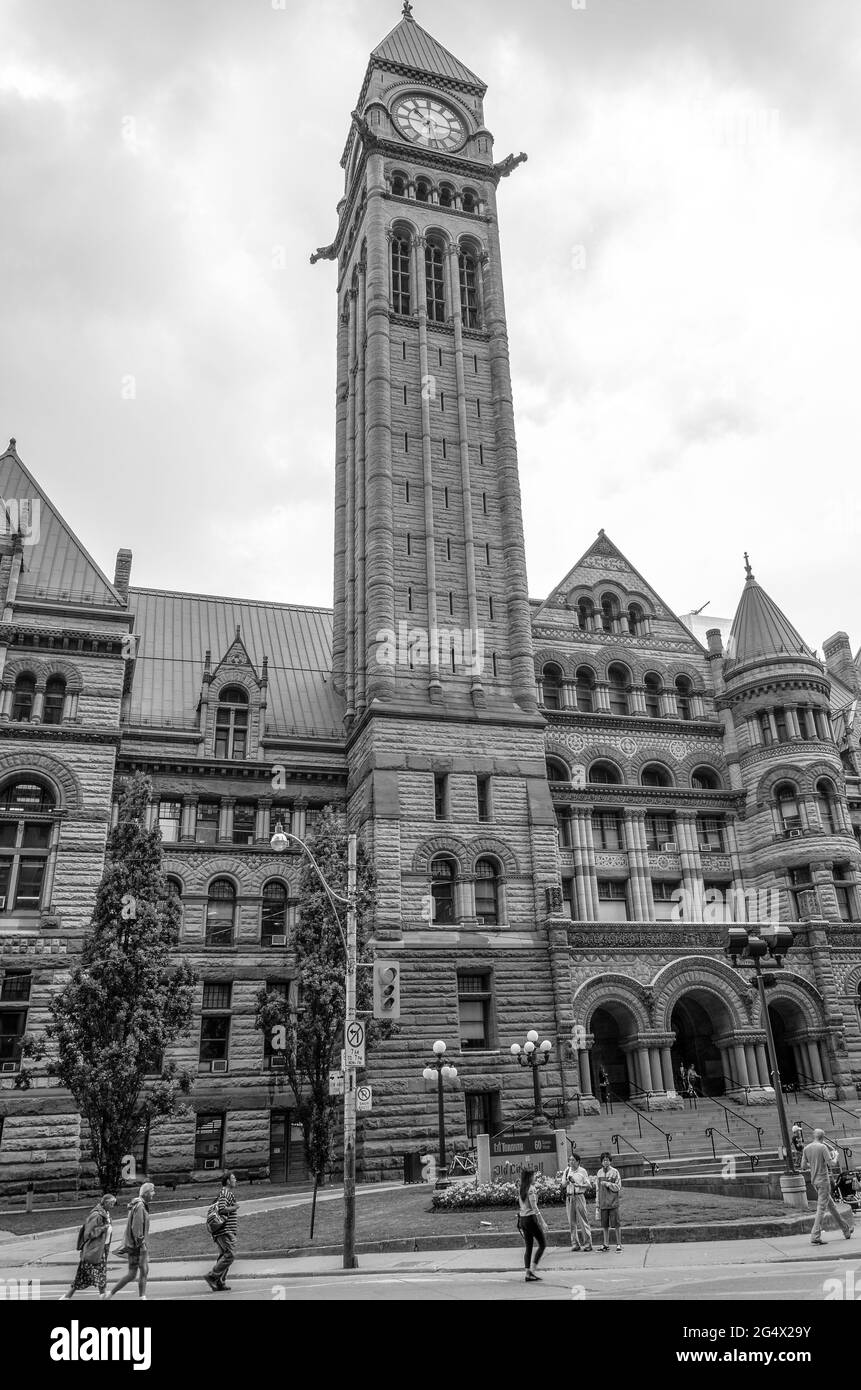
(430, 670)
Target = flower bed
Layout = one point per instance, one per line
(549, 1191)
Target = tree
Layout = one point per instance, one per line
(127, 1000)
(311, 1022)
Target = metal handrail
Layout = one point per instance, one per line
(528, 1113)
(734, 1114)
(753, 1159)
(667, 1137)
(829, 1139)
(618, 1139)
(737, 1086)
(808, 1085)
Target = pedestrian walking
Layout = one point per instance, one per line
(818, 1159)
(531, 1224)
(683, 1079)
(797, 1141)
(694, 1081)
(94, 1243)
(224, 1235)
(134, 1245)
(609, 1186)
(578, 1188)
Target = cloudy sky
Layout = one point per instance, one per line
(682, 271)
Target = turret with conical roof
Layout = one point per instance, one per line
(761, 631)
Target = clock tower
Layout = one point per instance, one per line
(432, 636)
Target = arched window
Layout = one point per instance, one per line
(557, 771)
(399, 186)
(636, 620)
(231, 723)
(585, 688)
(653, 696)
(684, 691)
(703, 779)
(585, 615)
(55, 701)
(655, 776)
(446, 196)
(273, 916)
(22, 700)
(551, 680)
(826, 801)
(220, 913)
(605, 774)
(610, 613)
(443, 875)
(470, 201)
(435, 283)
(487, 892)
(423, 191)
(618, 679)
(25, 842)
(469, 290)
(786, 796)
(401, 289)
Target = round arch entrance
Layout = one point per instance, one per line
(612, 1026)
(697, 1019)
(787, 1018)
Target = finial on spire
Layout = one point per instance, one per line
(408, 10)
(747, 567)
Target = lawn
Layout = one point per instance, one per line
(22, 1223)
(402, 1214)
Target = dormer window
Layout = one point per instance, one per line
(231, 724)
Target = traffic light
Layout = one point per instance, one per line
(387, 989)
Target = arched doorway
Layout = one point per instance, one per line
(612, 1025)
(781, 1025)
(696, 1019)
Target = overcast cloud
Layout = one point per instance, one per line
(682, 273)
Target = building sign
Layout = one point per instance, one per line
(503, 1158)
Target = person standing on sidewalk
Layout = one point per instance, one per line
(577, 1185)
(225, 1239)
(818, 1159)
(134, 1245)
(94, 1245)
(609, 1184)
(531, 1224)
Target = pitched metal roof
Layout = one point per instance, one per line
(761, 630)
(410, 46)
(55, 564)
(177, 630)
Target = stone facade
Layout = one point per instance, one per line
(565, 801)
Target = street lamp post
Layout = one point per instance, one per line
(756, 945)
(440, 1071)
(280, 841)
(530, 1055)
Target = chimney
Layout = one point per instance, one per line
(715, 641)
(838, 659)
(123, 572)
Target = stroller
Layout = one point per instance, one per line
(846, 1187)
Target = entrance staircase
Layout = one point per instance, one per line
(749, 1133)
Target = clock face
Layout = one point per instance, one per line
(430, 123)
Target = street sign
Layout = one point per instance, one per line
(355, 1039)
(364, 1098)
(336, 1083)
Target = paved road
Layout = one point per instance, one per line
(801, 1281)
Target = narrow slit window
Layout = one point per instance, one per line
(435, 284)
(451, 604)
(448, 549)
(469, 291)
(444, 450)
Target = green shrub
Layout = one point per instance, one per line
(463, 1196)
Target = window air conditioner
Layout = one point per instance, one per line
(2, 903)
(480, 921)
(795, 834)
(705, 847)
(210, 1163)
(669, 847)
(219, 1066)
(278, 941)
(277, 1063)
(8, 1066)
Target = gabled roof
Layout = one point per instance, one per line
(55, 564)
(604, 562)
(411, 46)
(761, 630)
(177, 630)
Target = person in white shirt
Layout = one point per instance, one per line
(577, 1184)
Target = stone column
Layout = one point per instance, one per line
(638, 700)
(261, 827)
(476, 689)
(642, 903)
(668, 705)
(812, 1048)
(299, 819)
(644, 1069)
(38, 705)
(633, 1083)
(188, 825)
(762, 1063)
(655, 1069)
(697, 706)
(225, 820)
(667, 1069)
(418, 258)
(754, 733)
(741, 1072)
(752, 1064)
(347, 499)
(585, 1073)
(584, 866)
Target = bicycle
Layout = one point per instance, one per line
(463, 1164)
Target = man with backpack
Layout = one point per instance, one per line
(221, 1222)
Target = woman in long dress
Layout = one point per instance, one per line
(95, 1244)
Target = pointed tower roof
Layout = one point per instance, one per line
(761, 630)
(411, 46)
(55, 564)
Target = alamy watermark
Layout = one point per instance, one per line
(456, 649)
(719, 907)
